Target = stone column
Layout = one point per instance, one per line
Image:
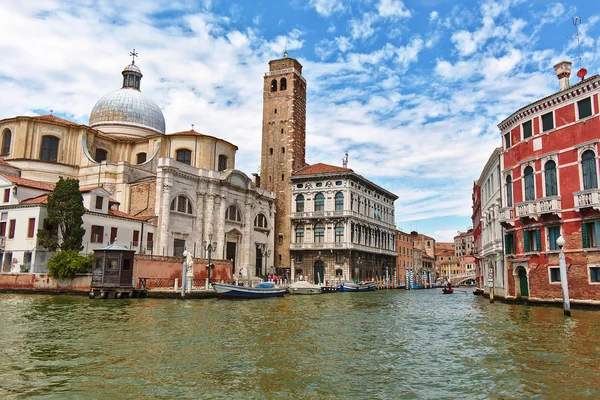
(208, 217)
(247, 239)
(165, 214)
(220, 221)
(198, 235)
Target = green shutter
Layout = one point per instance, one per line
(585, 238)
(538, 240)
(508, 244)
(596, 235)
(526, 248)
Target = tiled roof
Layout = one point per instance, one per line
(187, 133)
(43, 199)
(29, 183)
(52, 118)
(4, 163)
(116, 213)
(320, 168)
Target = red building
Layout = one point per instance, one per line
(550, 188)
(476, 218)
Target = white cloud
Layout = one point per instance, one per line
(392, 8)
(433, 16)
(363, 28)
(326, 7)
(409, 53)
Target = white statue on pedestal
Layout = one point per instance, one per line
(190, 265)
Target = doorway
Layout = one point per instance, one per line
(523, 284)
(230, 255)
(318, 271)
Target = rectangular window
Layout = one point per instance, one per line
(150, 240)
(509, 247)
(12, 224)
(31, 228)
(339, 258)
(507, 140)
(527, 129)
(590, 232)
(553, 234)
(554, 274)
(136, 238)
(6, 195)
(97, 234)
(547, 121)
(584, 107)
(3, 229)
(532, 241)
(299, 257)
(113, 265)
(113, 234)
(594, 274)
(99, 202)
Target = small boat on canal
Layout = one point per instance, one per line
(303, 287)
(349, 286)
(447, 290)
(262, 290)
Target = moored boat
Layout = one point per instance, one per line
(303, 287)
(349, 286)
(447, 290)
(262, 290)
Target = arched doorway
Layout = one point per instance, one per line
(318, 271)
(523, 284)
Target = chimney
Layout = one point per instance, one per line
(563, 72)
(256, 179)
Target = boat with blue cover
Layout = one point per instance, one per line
(350, 286)
(262, 290)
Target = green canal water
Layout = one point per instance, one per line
(380, 345)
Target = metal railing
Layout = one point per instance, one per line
(156, 283)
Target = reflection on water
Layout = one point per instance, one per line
(383, 345)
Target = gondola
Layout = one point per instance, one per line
(447, 290)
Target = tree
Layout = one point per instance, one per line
(65, 212)
(65, 264)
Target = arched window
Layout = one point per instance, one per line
(274, 85)
(319, 202)
(319, 233)
(529, 183)
(184, 156)
(339, 232)
(588, 166)
(6, 138)
(509, 195)
(49, 150)
(339, 201)
(300, 203)
(222, 165)
(283, 84)
(233, 214)
(141, 158)
(550, 177)
(101, 155)
(182, 204)
(300, 234)
(260, 221)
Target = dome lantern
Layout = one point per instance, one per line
(132, 74)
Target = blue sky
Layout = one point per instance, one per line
(412, 89)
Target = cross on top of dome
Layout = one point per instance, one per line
(133, 55)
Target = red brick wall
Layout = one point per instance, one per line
(147, 266)
(80, 283)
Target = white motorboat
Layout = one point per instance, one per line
(303, 287)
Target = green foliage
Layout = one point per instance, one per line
(65, 264)
(65, 212)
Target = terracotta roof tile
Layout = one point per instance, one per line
(187, 133)
(43, 199)
(52, 118)
(320, 168)
(29, 183)
(116, 213)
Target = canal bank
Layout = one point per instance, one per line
(383, 344)
(532, 301)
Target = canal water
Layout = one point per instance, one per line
(378, 345)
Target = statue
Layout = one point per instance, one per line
(190, 265)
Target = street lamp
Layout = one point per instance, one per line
(564, 284)
(266, 253)
(209, 247)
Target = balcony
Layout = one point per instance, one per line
(527, 210)
(549, 205)
(589, 198)
(507, 216)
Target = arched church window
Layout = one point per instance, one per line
(274, 85)
(184, 156)
(300, 203)
(182, 204)
(233, 214)
(339, 201)
(283, 84)
(49, 150)
(101, 155)
(319, 202)
(260, 221)
(222, 166)
(141, 158)
(6, 139)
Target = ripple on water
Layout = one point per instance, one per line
(384, 345)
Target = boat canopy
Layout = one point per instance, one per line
(266, 285)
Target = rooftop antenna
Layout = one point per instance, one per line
(345, 160)
(133, 55)
(582, 71)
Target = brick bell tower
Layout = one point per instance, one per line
(283, 144)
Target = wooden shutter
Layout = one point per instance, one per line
(526, 242)
(585, 238)
(538, 240)
(507, 244)
(31, 228)
(596, 242)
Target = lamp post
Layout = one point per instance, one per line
(209, 247)
(184, 274)
(564, 284)
(266, 253)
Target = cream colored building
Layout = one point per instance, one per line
(127, 151)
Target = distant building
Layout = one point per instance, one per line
(425, 266)
(405, 259)
(463, 243)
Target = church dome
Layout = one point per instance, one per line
(128, 106)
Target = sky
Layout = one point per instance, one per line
(413, 89)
